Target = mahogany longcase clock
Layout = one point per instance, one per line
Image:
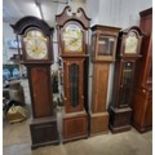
(72, 29)
(128, 52)
(142, 99)
(37, 51)
(104, 41)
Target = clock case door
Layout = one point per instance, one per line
(104, 42)
(74, 92)
(124, 77)
(123, 84)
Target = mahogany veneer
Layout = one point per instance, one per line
(142, 101)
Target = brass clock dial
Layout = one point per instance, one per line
(35, 45)
(131, 43)
(72, 37)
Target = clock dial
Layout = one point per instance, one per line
(36, 45)
(131, 43)
(72, 37)
(106, 45)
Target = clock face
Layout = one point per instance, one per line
(106, 45)
(131, 44)
(36, 45)
(72, 38)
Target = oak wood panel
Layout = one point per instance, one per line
(100, 84)
(99, 123)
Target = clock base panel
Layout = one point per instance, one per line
(120, 119)
(99, 123)
(44, 132)
(75, 126)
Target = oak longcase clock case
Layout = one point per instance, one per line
(35, 36)
(72, 30)
(104, 42)
(128, 52)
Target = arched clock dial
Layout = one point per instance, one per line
(131, 43)
(35, 45)
(72, 38)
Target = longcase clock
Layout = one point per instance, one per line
(104, 41)
(142, 100)
(37, 51)
(128, 52)
(72, 29)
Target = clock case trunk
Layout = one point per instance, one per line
(75, 121)
(43, 126)
(124, 76)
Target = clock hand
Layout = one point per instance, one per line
(73, 41)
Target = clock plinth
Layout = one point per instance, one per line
(37, 52)
(128, 51)
(41, 130)
(72, 31)
(120, 119)
(99, 123)
(75, 126)
(104, 40)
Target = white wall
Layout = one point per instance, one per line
(7, 35)
(122, 13)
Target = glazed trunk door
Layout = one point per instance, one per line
(73, 76)
(126, 84)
